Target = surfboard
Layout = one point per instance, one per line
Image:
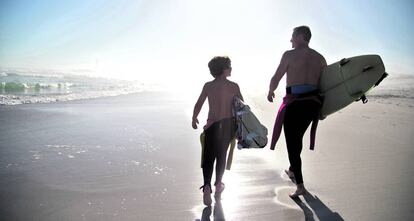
(349, 80)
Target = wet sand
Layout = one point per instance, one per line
(135, 157)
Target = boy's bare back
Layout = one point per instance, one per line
(220, 93)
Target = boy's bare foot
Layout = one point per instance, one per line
(207, 195)
(219, 189)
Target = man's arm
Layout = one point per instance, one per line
(198, 106)
(274, 82)
(324, 64)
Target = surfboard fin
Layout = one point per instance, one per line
(363, 98)
(344, 61)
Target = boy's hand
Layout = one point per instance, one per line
(195, 122)
(270, 96)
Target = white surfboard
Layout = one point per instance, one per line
(348, 80)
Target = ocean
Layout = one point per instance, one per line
(22, 88)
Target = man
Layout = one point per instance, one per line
(303, 67)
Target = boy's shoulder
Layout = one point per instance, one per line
(233, 83)
(212, 85)
(209, 83)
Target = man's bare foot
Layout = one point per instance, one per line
(300, 190)
(290, 174)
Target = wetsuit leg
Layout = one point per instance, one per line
(209, 153)
(298, 116)
(224, 137)
(217, 140)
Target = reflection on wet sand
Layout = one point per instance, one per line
(259, 193)
(218, 214)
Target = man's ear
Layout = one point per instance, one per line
(301, 37)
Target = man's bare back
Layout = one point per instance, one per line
(302, 65)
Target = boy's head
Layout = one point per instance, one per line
(218, 64)
(304, 31)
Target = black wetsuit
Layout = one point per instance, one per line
(298, 116)
(217, 140)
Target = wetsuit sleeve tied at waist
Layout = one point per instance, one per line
(277, 129)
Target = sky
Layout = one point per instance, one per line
(171, 41)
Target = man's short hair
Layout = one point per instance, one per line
(218, 64)
(303, 30)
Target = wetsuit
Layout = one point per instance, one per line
(298, 116)
(217, 140)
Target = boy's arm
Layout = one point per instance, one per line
(239, 93)
(274, 82)
(198, 106)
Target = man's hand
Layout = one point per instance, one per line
(195, 122)
(270, 96)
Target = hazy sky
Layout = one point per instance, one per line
(170, 40)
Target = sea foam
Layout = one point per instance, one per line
(26, 89)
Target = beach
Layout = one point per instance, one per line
(136, 157)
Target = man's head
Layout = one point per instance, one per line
(220, 65)
(301, 36)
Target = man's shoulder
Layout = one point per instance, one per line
(316, 52)
(319, 57)
(289, 52)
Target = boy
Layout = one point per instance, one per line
(220, 128)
